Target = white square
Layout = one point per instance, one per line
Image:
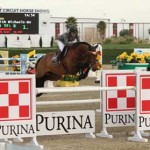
(122, 103)
(13, 112)
(130, 93)
(13, 87)
(145, 94)
(4, 100)
(24, 99)
(121, 80)
(111, 94)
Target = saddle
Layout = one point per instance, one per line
(61, 55)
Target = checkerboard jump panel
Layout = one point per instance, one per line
(145, 95)
(15, 99)
(120, 100)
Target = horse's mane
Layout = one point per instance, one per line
(75, 45)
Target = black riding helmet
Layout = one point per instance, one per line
(73, 29)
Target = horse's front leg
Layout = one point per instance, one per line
(83, 75)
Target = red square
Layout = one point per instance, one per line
(112, 81)
(4, 88)
(112, 103)
(13, 99)
(121, 93)
(146, 105)
(131, 81)
(146, 83)
(130, 102)
(23, 87)
(4, 112)
(24, 111)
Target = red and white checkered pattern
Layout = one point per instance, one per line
(145, 94)
(15, 100)
(120, 100)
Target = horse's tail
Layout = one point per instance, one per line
(40, 83)
(38, 62)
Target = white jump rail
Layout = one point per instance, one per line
(81, 89)
(10, 59)
(67, 89)
(18, 59)
(77, 89)
(68, 102)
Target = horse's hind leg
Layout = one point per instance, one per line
(40, 82)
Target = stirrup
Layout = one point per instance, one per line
(55, 60)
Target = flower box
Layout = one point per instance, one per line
(131, 66)
(61, 83)
(132, 61)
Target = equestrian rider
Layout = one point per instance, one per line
(66, 39)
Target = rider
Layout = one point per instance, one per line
(65, 39)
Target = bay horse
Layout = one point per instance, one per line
(79, 58)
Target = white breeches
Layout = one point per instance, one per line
(60, 45)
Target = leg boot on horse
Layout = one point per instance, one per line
(57, 57)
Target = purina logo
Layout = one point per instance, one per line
(17, 106)
(69, 122)
(15, 130)
(16, 99)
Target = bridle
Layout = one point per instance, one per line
(85, 61)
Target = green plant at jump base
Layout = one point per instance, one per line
(70, 78)
(68, 81)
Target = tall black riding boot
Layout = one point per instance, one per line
(57, 57)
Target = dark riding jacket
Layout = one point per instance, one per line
(66, 38)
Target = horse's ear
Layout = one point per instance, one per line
(94, 53)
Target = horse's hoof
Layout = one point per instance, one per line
(38, 95)
(97, 81)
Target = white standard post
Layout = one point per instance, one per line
(2, 146)
(48, 84)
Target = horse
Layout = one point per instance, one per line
(79, 58)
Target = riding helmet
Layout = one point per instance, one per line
(73, 29)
